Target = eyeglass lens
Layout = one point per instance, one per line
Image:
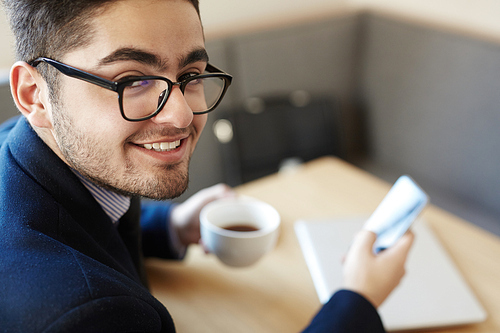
(142, 98)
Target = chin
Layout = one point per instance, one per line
(162, 193)
(171, 183)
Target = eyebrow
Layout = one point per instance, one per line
(151, 59)
(194, 56)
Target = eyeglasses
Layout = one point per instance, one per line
(143, 97)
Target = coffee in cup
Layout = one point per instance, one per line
(239, 231)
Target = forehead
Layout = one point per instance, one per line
(167, 28)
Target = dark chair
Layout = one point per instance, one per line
(257, 138)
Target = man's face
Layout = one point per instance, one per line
(132, 38)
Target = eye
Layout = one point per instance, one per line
(140, 83)
(139, 87)
(186, 76)
(194, 82)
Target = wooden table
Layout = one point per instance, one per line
(277, 293)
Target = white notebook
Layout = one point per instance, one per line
(433, 293)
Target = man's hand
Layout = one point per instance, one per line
(185, 217)
(375, 276)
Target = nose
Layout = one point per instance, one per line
(176, 111)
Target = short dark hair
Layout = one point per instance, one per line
(50, 28)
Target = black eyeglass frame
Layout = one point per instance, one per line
(120, 85)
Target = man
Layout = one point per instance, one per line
(114, 96)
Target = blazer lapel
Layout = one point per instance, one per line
(81, 224)
(130, 231)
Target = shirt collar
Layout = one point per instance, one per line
(114, 205)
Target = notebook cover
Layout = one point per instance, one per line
(433, 293)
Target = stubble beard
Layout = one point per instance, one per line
(89, 157)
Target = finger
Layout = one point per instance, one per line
(226, 191)
(363, 241)
(402, 246)
(201, 198)
(405, 242)
(215, 192)
(219, 189)
(203, 246)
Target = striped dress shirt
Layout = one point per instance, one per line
(114, 205)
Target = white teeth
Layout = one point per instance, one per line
(162, 146)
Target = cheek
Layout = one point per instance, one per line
(96, 111)
(90, 102)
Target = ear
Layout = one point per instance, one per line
(30, 94)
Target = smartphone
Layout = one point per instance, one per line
(397, 211)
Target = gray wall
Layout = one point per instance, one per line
(433, 102)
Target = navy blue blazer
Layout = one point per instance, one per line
(64, 267)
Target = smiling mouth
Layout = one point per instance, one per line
(162, 146)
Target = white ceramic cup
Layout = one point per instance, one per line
(239, 248)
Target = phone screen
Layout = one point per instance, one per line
(397, 211)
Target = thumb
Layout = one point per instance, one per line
(205, 196)
(363, 241)
(402, 246)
